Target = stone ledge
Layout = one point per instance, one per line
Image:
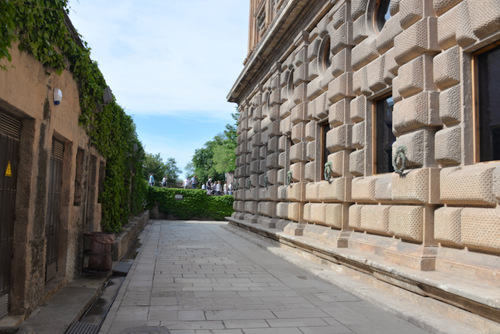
(128, 236)
(482, 300)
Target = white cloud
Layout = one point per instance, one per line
(166, 56)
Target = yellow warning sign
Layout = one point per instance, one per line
(8, 171)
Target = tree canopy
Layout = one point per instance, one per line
(153, 163)
(217, 156)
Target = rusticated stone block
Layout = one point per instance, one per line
(447, 27)
(282, 160)
(274, 128)
(391, 68)
(255, 153)
(468, 185)
(415, 112)
(447, 68)
(283, 143)
(273, 145)
(310, 131)
(296, 191)
(360, 82)
(358, 109)
(265, 123)
(481, 228)
(364, 53)
(359, 30)
(375, 218)
(311, 150)
(336, 115)
(321, 107)
(358, 8)
(286, 126)
(272, 160)
(310, 171)
(385, 40)
(448, 150)
(410, 12)
(297, 170)
(338, 160)
(340, 88)
(251, 207)
(298, 132)
(383, 188)
(363, 189)
(298, 114)
(339, 63)
(442, 6)
(448, 225)
(341, 37)
(415, 143)
(307, 212)
(414, 187)
(312, 191)
(272, 176)
(339, 138)
(255, 166)
(338, 190)
(484, 16)
(294, 211)
(280, 176)
(355, 216)
(449, 106)
(375, 71)
(412, 76)
(282, 210)
(358, 135)
(407, 222)
(357, 163)
(334, 215)
(464, 34)
(419, 38)
(298, 152)
(338, 17)
(318, 213)
(314, 86)
(267, 209)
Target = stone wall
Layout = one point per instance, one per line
(317, 91)
(26, 94)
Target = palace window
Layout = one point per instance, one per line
(488, 104)
(323, 130)
(380, 13)
(324, 54)
(383, 138)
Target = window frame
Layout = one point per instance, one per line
(375, 142)
(476, 93)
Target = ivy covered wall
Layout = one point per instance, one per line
(42, 28)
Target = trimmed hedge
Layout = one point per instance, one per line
(195, 204)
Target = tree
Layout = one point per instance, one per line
(218, 155)
(172, 172)
(153, 163)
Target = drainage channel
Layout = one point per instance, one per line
(91, 321)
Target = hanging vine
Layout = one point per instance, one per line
(42, 28)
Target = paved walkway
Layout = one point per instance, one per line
(200, 278)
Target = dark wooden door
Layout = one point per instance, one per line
(10, 129)
(54, 209)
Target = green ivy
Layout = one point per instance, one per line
(41, 28)
(195, 204)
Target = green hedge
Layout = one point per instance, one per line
(195, 204)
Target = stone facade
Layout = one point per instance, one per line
(67, 196)
(337, 95)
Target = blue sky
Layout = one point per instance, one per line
(169, 63)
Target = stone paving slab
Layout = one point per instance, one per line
(200, 278)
